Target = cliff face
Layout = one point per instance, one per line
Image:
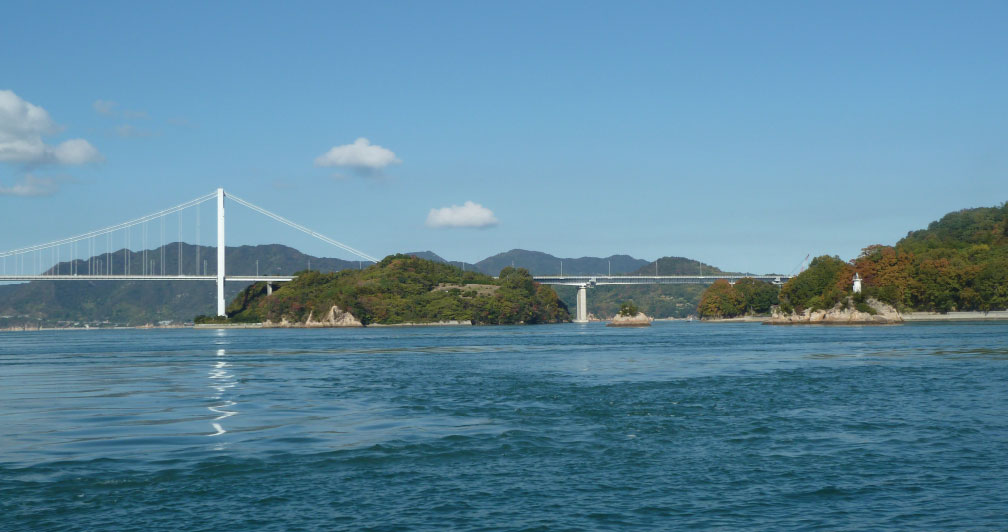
(840, 314)
(334, 318)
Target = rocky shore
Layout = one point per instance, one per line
(843, 313)
(334, 318)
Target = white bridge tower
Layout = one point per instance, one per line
(220, 253)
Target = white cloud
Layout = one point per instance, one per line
(468, 214)
(22, 126)
(31, 186)
(76, 151)
(361, 156)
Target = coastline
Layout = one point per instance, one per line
(739, 319)
(964, 316)
(994, 315)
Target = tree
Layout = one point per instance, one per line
(628, 309)
(721, 300)
(822, 285)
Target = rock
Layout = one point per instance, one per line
(838, 315)
(334, 318)
(640, 320)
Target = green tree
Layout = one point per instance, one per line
(822, 285)
(628, 309)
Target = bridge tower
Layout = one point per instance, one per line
(220, 253)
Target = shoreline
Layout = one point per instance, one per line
(909, 317)
(993, 315)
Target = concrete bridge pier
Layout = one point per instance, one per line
(581, 316)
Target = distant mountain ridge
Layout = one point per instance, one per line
(539, 263)
(677, 266)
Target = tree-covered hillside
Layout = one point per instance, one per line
(746, 297)
(405, 289)
(659, 301)
(959, 262)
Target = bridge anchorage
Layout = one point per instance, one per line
(103, 267)
(584, 282)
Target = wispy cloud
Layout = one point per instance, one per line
(103, 107)
(131, 131)
(361, 156)
(468, 214)
(30, 185)
(111, 108)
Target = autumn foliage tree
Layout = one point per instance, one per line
(720, 300)
(959, 262)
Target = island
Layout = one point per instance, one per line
(399, 290)
(959, 264)
(630, 316)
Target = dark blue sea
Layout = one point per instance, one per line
(567, 427)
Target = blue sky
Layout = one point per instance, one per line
(743, 134)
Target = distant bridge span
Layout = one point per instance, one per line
(584, 282)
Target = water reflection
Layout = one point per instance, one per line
(221, 380)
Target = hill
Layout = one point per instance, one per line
(959, 262)
(659, 301)
(539, 263)
(677, 266)
(403, 289)
(434, 257)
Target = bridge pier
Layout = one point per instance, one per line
(581, 314)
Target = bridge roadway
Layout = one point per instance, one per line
(583, 282)
(599, 280)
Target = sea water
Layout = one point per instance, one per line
(565, 427)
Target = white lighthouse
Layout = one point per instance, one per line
(857, 283)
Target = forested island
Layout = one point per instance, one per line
(401, 289)
(959, 263)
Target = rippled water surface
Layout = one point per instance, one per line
(568, 427)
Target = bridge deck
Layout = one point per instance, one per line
(599, 280)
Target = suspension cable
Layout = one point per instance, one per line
(301, 228)
(109, 229)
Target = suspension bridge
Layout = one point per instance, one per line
(60, 260)
(106, 261)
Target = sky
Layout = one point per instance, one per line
(743, 134)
